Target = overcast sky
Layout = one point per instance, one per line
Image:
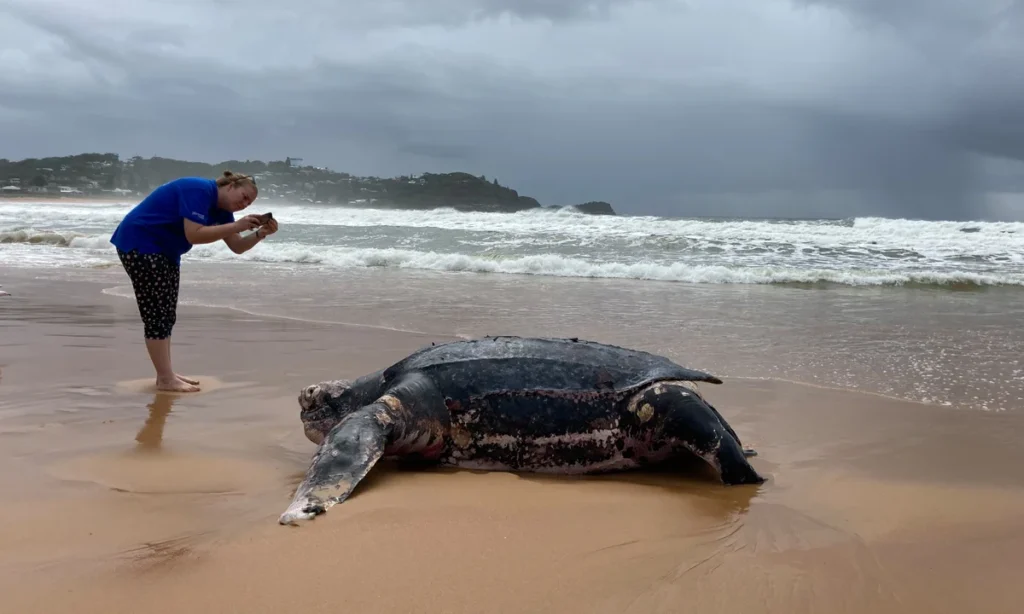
(760, 107)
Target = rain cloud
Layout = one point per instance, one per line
(752, 107)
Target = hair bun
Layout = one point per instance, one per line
(231, 178)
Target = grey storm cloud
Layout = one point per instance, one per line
(751, 107)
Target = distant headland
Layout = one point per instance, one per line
(106, 176)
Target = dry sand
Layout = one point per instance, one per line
(114, 498)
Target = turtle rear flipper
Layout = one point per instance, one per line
(674, 409)
(346, 455)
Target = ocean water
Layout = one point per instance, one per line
(926, 311)
(862, 251)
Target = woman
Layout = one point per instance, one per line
(152, 237)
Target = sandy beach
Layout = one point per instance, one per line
(114, 498)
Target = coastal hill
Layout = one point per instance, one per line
(106, 175)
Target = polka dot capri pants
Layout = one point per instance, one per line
(155, 282)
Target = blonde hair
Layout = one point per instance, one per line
(229, 178)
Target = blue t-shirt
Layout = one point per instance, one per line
(156, 225)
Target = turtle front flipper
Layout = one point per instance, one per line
(346, 455)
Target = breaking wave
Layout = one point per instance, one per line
(565, 243)
(561, 266)
(38, 237)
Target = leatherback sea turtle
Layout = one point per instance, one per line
(512, 404)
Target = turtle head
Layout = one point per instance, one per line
(323, 405)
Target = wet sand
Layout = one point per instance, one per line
(114, 498)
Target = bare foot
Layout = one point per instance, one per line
(175, 385)
(187, 380)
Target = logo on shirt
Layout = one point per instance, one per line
(199, 215)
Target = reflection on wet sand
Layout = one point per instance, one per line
(150, 436)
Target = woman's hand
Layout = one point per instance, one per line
(248, 222)
(269, 228)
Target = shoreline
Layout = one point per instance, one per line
(111, 495)
(239, 311)
(107, 291)
(125, 308)
(725, 332)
